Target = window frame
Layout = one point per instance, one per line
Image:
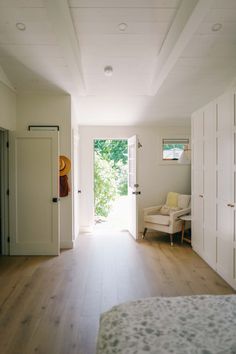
(178, 139)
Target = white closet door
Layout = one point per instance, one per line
(224, 190)
(34, 193)
(210, 183)
(234, 194)
(197, 183)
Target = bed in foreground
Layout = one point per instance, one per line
(191, 324)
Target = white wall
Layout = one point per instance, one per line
(55, 110)
(154, 177)
(7, 108)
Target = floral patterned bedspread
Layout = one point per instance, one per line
(181, 325)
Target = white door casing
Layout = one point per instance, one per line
(198, 183)
(133, 185)
(76, 190)
(34, 182)
(4, 177)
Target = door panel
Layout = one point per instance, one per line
(225, 241)
(225, 193)
(132, 185)
(197, 224)
(210, 183)
(34, 183)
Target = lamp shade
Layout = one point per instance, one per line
(185, 157)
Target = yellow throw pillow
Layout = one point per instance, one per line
(172, 200)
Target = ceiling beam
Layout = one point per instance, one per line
(4, 79)
(187, 20)
(59, 14)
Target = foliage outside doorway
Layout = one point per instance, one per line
(110, 175)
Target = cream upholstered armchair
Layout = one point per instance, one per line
(165, 218)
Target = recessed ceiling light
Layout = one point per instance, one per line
(108, 70)
(216, 27)
(122, 27)
(20, 26)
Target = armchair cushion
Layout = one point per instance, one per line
(165, 210)
(183, 201)
(158, 219)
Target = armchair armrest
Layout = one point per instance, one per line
(177, 214)
(151, 210)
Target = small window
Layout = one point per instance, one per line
(173, 148)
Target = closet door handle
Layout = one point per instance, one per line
(230, 205)
(201, 195)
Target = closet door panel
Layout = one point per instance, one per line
(197, 225)
(210, 183)
(224, 190)
(234, 193)
(224, 162)
(225, 241)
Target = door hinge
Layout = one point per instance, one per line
(7, 144)
(8, 192)
(8, 239)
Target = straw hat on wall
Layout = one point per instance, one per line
(64, 165)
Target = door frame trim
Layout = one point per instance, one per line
(4, 170)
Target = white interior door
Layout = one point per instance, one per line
(133, 185)
(34, 194)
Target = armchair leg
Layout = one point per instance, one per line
(144, 232)
(171, 240)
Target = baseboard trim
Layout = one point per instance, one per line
(66, 244)
(84, 229)
(75, 237)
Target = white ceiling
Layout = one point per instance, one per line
(167, 63)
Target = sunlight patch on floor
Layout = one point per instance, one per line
(118, 218)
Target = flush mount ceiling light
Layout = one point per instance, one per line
(216, 27)
(108, 70)
(122, 27)
(20, 26)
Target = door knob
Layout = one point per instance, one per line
(230, 205)
(201, 195)
(55, 200)
(79, 191)
(136, 193)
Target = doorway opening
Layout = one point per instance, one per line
(111, 203)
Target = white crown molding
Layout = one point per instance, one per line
(186, 22)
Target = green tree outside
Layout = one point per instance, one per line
(110, 173)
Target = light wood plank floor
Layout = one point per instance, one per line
(51, 305)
